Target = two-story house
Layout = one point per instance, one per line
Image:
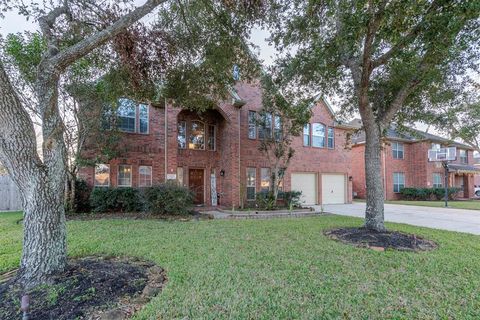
(215, 153)
(405, 163)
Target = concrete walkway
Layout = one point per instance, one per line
(438, 218)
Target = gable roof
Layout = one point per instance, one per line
(410, 135)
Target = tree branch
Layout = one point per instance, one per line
(64, 58)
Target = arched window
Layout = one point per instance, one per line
(318, 135)
(197, 135)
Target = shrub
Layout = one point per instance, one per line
(424, 194)
(265, 201)
(116, 200)
(168, 198)
(82, 196)
(291, 198)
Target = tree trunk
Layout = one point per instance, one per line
(44, 242)
(374, 214)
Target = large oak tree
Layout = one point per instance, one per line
(379, 57)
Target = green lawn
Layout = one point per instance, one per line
(281, 269)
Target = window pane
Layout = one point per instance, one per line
(182, 135)
(197, 136)
(211, 137)
(265, 181)
(126, 115)
(124, 176)
(143, 118)
(306, 135)
(102, 175)
(252, 125)
(251, 177)
(318, 135)
(437, 180)
(277, 126)
(398, 181)
(331, 138)
(265, 130)
(144, 176)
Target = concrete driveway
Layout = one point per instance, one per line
(438, 218)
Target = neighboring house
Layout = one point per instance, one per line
(216, 154)
(405, 163)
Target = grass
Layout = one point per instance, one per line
(459, 204)
(280, 269)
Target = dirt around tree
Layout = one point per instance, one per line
(380, 241)
(90, 288)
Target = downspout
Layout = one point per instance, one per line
(166, 140)
(239, 151)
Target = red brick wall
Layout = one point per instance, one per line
(235, 151)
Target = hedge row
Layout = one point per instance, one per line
(168, 198)
(428, 193)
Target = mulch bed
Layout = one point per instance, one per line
(90, 288)
(380, 241)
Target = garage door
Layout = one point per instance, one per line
(333, 188)
(307, 183)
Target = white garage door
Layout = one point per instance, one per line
(333, 188)
(307, 183)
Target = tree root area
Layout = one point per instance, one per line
(380, 241)
(90, 288)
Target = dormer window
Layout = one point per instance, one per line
(463, 155)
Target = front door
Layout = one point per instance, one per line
(196, 184)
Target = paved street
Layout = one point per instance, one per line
(439, 218)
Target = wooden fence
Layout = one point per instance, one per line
(9, 195)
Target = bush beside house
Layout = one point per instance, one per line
(425, 194)
(166, 199)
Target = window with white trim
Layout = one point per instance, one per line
(126, 114)
(398, 181)
(124, 175)
(144, 176)
(182, 135)
(102, 175)
(306, 135)
(251, 181)
(437, 180)
(331, 138)
(463, 155)
(252, 125)
(397, 150)
(265, 129)
(143, 118)
(318, 135)
(265, 179)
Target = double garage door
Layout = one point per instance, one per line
(333, 187)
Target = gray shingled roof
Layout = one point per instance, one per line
(407, 135)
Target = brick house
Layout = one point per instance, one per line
(216, 154)
(405, 163)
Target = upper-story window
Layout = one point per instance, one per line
(252, 124)
(143, 118)
(397, 150)
(127, 115)
(265, 129)
(331, 138)
(318, 135)
(211, 138)
(436, 146)
(277, 128)
(197, 135)
(306, 135)
(463, 154)
(182, 135)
